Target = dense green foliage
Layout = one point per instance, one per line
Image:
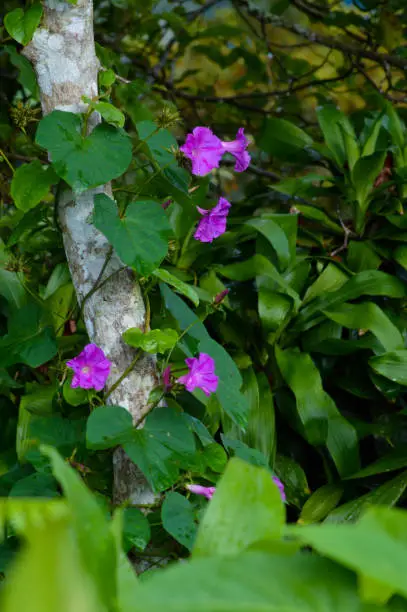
(309, 343)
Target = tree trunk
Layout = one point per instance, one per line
(63, 54)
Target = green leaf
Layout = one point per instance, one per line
(368, 315)
(83, 162)
(30, 184)
(392, 366)
(339, 135)
(230, 380)
(165, 442)
(177, 515)
(246, 508)
(183, 288)
(284, 140)
(22, 25)
(331, 279)
(380, 534)
(140, 238)
(26, 75)
(12, 288)
(74, 396)
(35, 485)
(387, 494)
(321, 503)
(108, 426)
(60, 276)
(368, 282)
(154, 341)
(95, 542)
(111, 114)
(29, 340)
(136, 529)
(361, 256)
(252, 582)
(276, 236)
(363, 176)
(315, 214)
(158, 141)
(394, 460)
(323, 423)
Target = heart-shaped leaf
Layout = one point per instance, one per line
(140, 237)
(22, 25)
(83, 162)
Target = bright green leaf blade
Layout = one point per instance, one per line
(392, 366)
(323, 423)
(136, 529)
(284, 140)
(140, 238)
(22, 25)
(153, 341)
(276, 236)
(368, 315)
(95, 542)
(253, 582)
(179, 286)
(12, 288)
(246, 508)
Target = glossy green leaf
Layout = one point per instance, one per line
(177, 515)
(284, 140)
(74, 396)
(368, 315)
(321, 503)
(392, 365)
(394, 460)
(386, 494)
(183, 288)
(246, 508)
(21, 25)
(154, 341)
(323, 423)
(363, 176)
(83, 162)
(12, 288)
(315, 214)
(361, 256)
(110, 114)
(276, 236)
(339, 135)
(140, 238)
(31, 183)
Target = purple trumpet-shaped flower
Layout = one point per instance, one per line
(201, 374)
(200, 490)
(91, 368)
(209, 491)
(213, 222)
(238, 148)
(280, 486)
(204, 149)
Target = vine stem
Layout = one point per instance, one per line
(124, 375)
(8, 162)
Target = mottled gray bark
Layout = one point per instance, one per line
(63, 54)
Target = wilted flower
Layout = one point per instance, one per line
(220, 296)
(213, 222)
(91, 368)
(167, 378)
(167, 117)
(200, 490)
(166, 204)
(204, 149)
(201, 374)
(238, 149)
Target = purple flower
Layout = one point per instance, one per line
(204, 149)
(213, 222)
(167, 378)
(200, 490)
(201, 374)
(166, 204)
(280, 486)
(238, 149)
(91, 368)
